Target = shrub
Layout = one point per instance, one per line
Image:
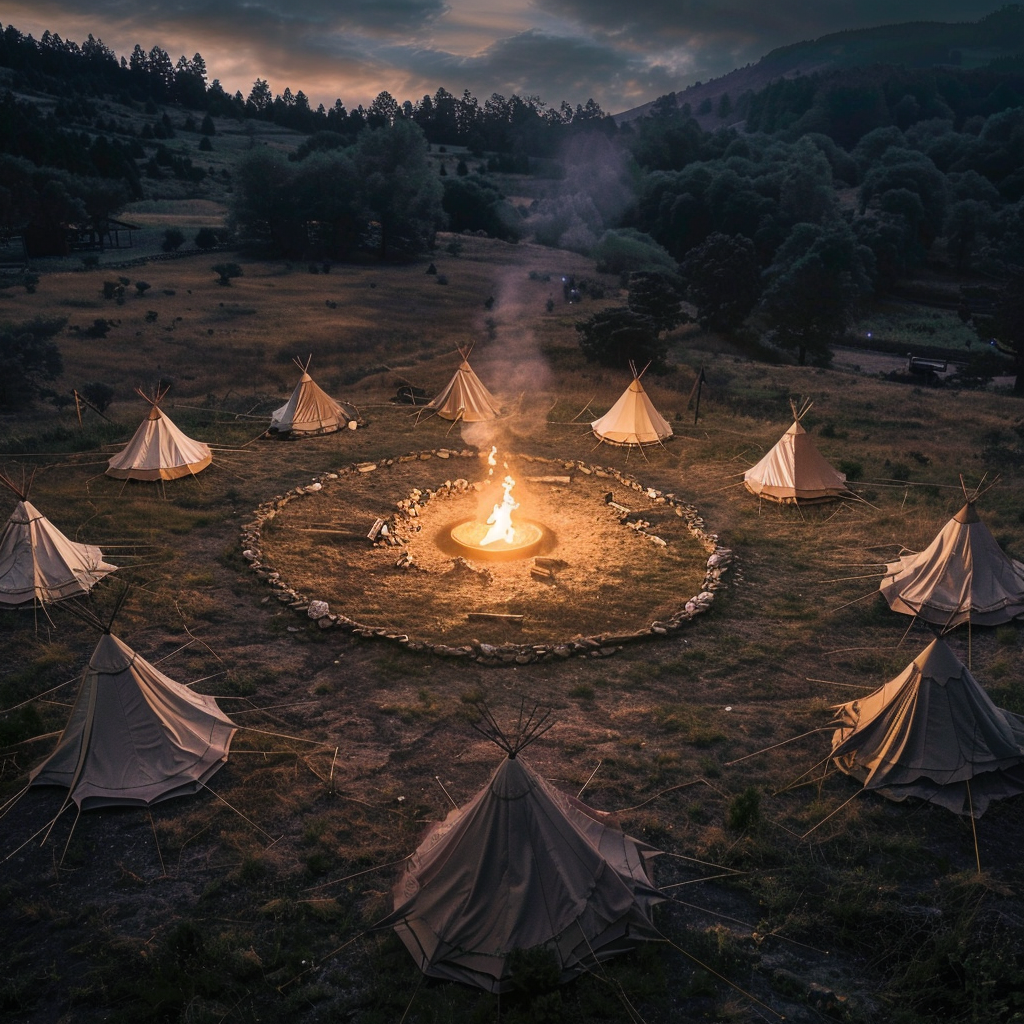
(30, 281)
(206, 238)
(141, 287)
(745, 810)
(227, 271)
(205, 145)
(174, 239)
(98, 394)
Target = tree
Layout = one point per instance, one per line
(723, 280)
(206, 238)
(174, 239)
(28, 359)
(813, 284)
(97, 394)
(624, 250)
(226, 271)
(614, 337)
(658, 296)
(474, 204)
(399, 190)
(1006, 324)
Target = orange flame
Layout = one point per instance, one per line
(500, 519)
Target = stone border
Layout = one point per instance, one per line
(601, 645)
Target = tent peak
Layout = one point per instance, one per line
(968, 514)
(512, 740)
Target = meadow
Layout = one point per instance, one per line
(258, 903)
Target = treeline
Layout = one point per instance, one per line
(499, 124)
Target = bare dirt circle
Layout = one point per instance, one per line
(614, 557)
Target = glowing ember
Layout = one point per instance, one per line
(500, 519)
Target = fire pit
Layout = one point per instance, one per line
(468, 540)
(463, 571)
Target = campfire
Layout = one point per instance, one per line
(498, 537)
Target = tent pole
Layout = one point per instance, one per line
(974, 825)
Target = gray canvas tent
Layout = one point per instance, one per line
(310, 410)
(522, 866)
(794, 471)
(38, 563)
(134, 736)
(932, 733)
(963, 575)
(633, 419)
(464, 397)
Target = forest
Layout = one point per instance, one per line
(829, 190)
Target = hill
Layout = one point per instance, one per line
(995, 41)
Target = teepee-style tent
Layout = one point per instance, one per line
(158, 450)
(933, 733)
(310, 410)
(134, 736)
(38, 563)
(522, 866)
(632, 420)
(794, 471)
(963, 575)
(464, 397)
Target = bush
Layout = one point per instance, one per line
(206, 238)
(98, 394)
(141, 287)
(205, 145)
(174, 239)
(745, 810)
(30, 281)
(227, 271)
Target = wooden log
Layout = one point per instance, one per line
(378, 525)
(549, 563)
(540, 573)
(343, 534)
(494, 617)
(549, 479)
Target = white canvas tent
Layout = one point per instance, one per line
(464, 397)
(310, 410)
(632, 420)
(134, 736)
(38, 563)
(963, 575)
(794, 471)
(158, 450)
(522, 866)
(932, 733)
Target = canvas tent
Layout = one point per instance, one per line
(963, 575)
(38, 563)
(933, 733)
(310, 410)
(632, 420)
(158, 450)
(134, 736)
(520, 866)
(464, 397)
(794, 471)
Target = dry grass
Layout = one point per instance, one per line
(200, 916)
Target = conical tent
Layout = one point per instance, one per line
(794, 471)
(632, 420)
(464, 397)
(38, 563)
(310, 410)
(933, 733)
(135, 736)
(963, 575)
(158, 450)
(520, 866)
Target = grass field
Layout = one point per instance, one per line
(823, 905)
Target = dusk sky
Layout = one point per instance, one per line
(619, 53)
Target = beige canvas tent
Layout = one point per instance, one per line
(521, 866)
(310, 410)
(632, 420)
(38, 563)
(134, 736)
(932, 733)
(963, 575)
(794, 471)
(158, 450)
(464, 397)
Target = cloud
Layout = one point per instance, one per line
(621, 54)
